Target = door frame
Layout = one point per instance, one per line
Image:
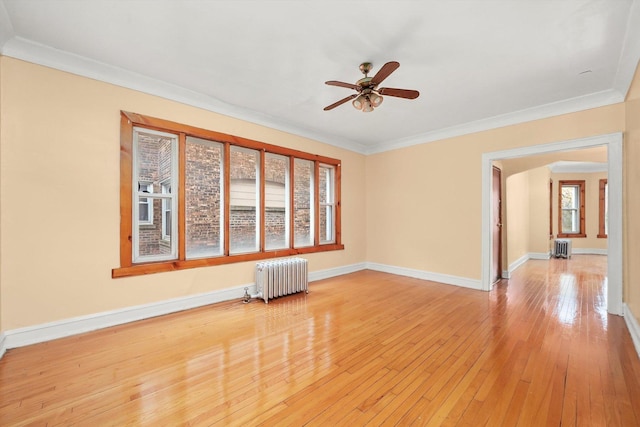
(613, 142)
(497, 170)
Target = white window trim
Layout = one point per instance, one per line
(163, 185)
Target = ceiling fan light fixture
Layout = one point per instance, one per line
(368, 96)
(359, 102)
(375, 99)
(367, 106)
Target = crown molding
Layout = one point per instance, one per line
(598, 99)
(26, 50)
(40, 54)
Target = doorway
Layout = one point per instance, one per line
(613, 142)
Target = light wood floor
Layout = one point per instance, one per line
(363, 349)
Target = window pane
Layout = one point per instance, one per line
(303, 202)
(143, 213)
(203, 198)
(155, 155)
(276, 221)
(326, 194)
(570, 223)
(570, 197)
(570, 209)
(151, 240)
(244, 198)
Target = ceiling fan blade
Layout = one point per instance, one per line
(342, 101)
(400, 93)
(384, 72)
(343, 84)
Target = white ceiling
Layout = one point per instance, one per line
(477, 64)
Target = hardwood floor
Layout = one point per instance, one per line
(367, 348)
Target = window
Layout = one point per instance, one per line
(571, 202)
(326, 203)
(154, 171)
(192, 197)
(204, 198)
(603, 209)
(277, 201)
(244, 219)
(303, 202)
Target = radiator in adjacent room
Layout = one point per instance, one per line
(562, 248)
(281, 277)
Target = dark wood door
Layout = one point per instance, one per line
(496, 230)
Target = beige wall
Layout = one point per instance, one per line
(631, 198)
(592, 194)
(424, 203)
(417, 207)
(517, 211)
(60, 197)
(539, 210)
(526, 201)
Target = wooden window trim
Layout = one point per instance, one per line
(550, 209)
(127, 268)
(601, 209)
(581, 185)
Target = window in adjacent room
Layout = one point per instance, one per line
(192, 197)
(571, 212)
(603, 209)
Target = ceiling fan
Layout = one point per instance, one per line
(368, 95)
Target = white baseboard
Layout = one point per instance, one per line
(426, 275)
(524, 258)
(517, 263)
(633, 327)
(588, 251)
(338, 271)
(505, 274)
(539, 255)
(3, 348)
(63, 328)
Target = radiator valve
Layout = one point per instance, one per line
(246, 298)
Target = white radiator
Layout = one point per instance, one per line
(281, 277)
(562, 248)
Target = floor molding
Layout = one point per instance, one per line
(517, 263)
(78, 325)
(426, 275)
(633, 327)
(3, 348)
(589, 251)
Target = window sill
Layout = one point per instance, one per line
(174, 265)
(602, 236)
(571, 236)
